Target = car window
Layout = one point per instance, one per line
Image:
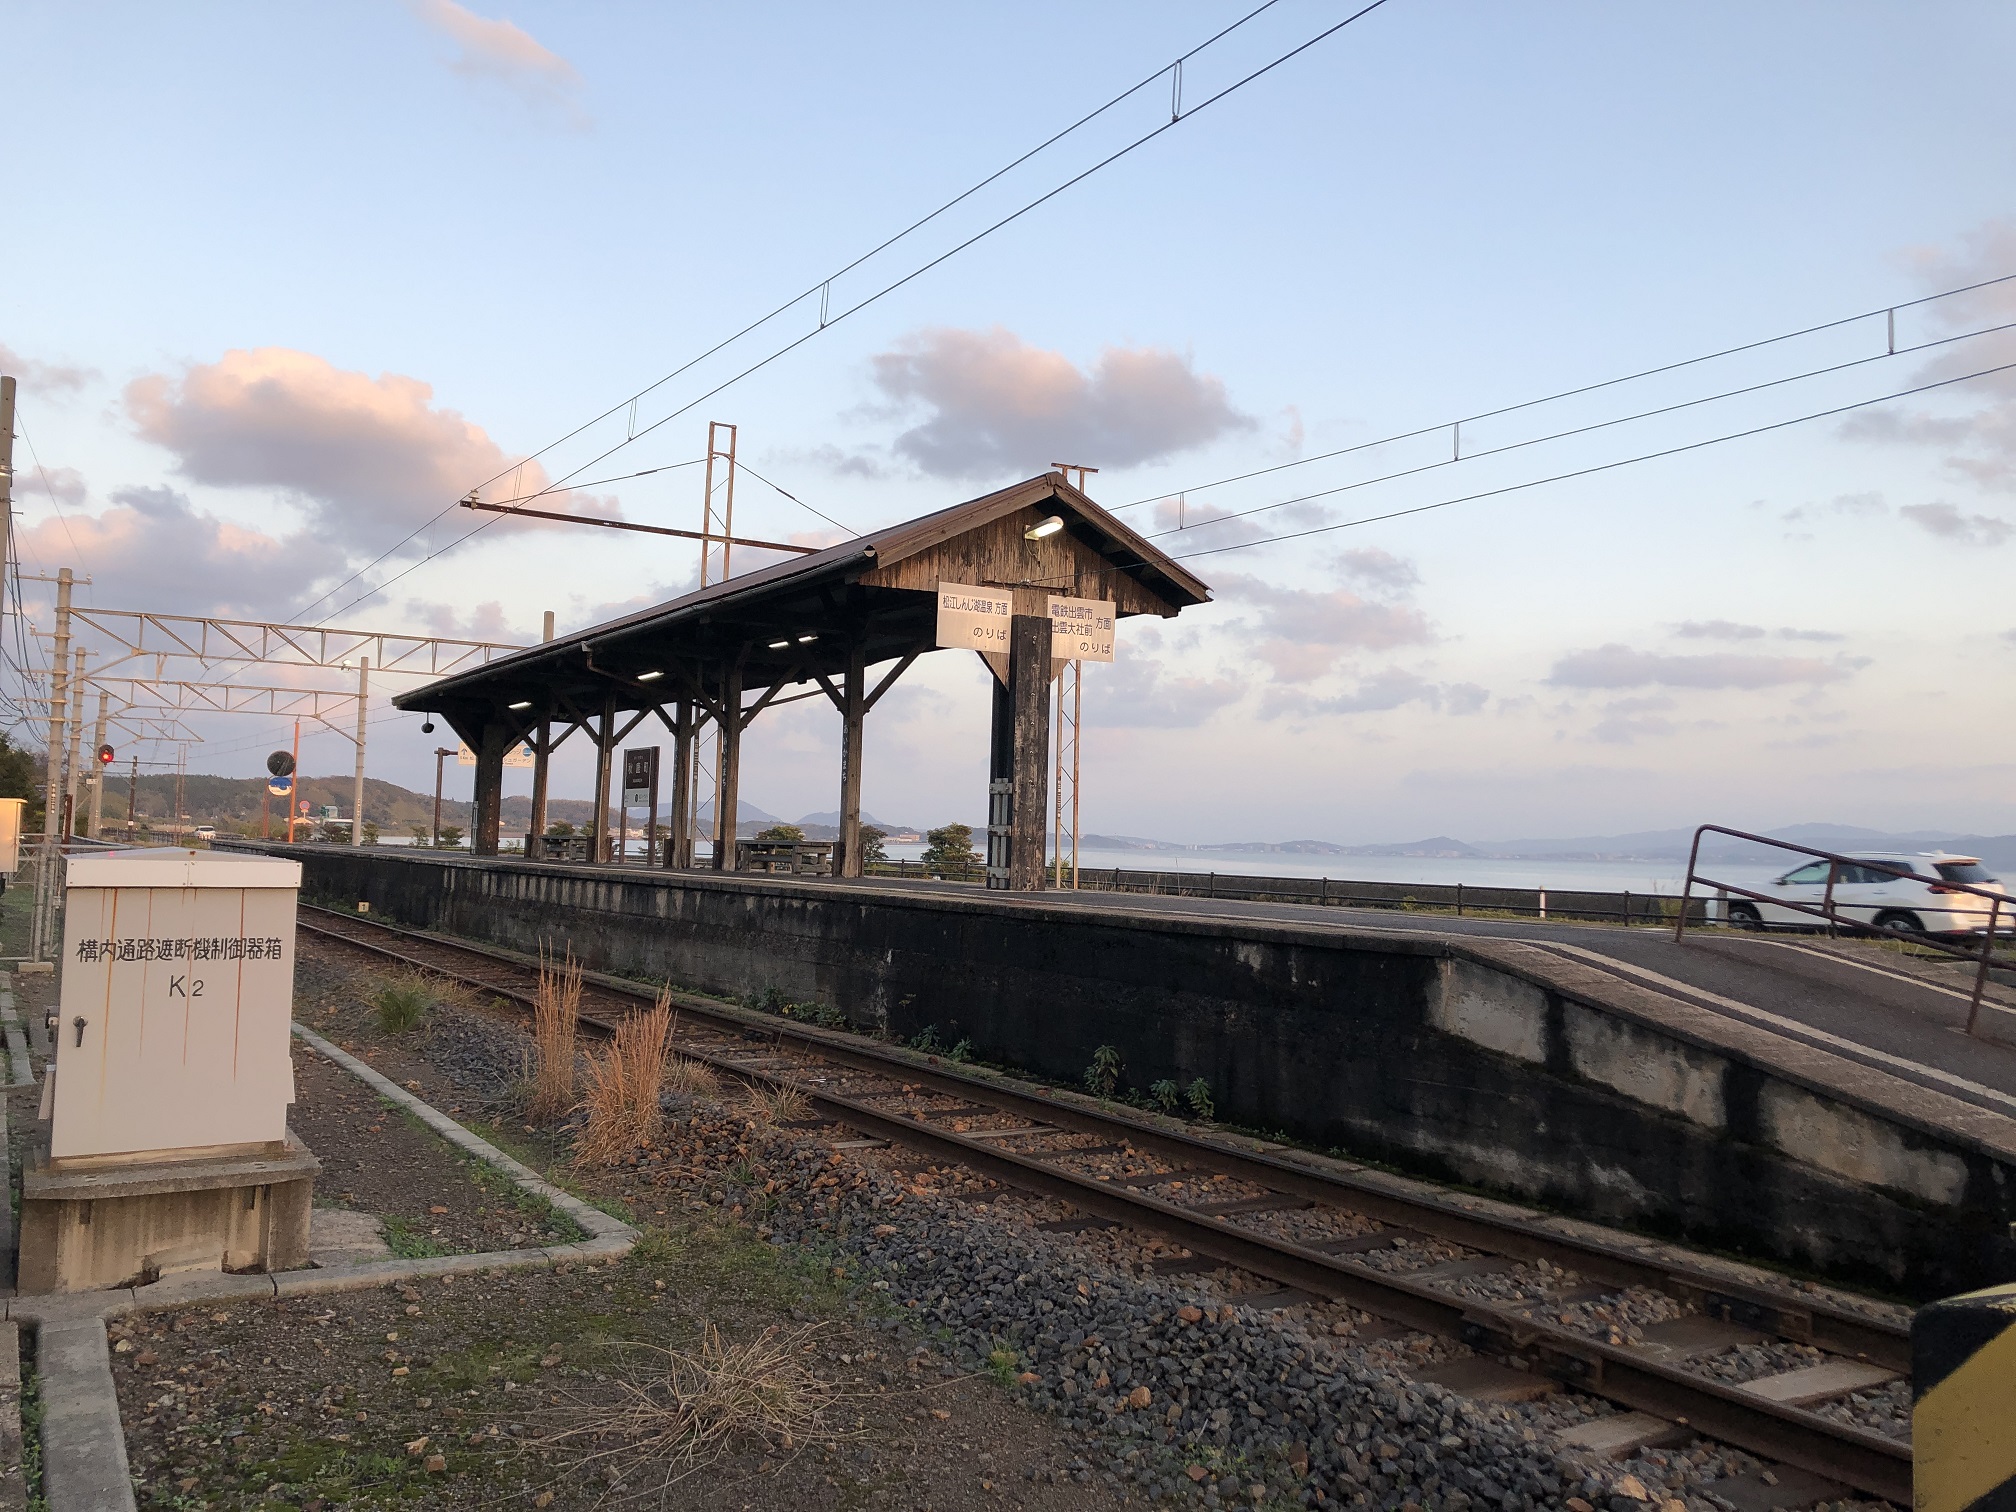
(1815, 873)
(1963, 871)
(1868, 872)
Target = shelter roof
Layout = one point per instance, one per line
(802, 617)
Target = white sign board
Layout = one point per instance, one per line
(10, 834)
(177, 989)
(517, 756)
(976, 618)
(1081, 629)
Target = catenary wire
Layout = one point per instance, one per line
(1583, 430)
(1587, 388)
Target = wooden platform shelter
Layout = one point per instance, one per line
(843, 623)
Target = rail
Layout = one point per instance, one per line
(1837, 921)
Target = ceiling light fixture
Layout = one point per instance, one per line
(523, 703)
(1043, 528)
(649, 676)
(779, 645)
(806, 640)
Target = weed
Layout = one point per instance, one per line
(1001, 1364)
(690, 1078)
(1102, 1077)
(556, 1021)
(927, 1041)
(961, 1052)
(778, 1105)
(625, 1083)
(408, 1243)
(689, 1408)
(1198, 1095)
(1168, 1096)
(403, 1003)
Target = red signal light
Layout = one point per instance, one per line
(105, 754)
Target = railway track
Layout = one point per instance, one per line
(1320, 1234)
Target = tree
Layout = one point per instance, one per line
(20, 777)
(871, 844)
(559, 829)
(948, 851)
(421, 834)
(370, 832)
(784, 833)
(451, 836)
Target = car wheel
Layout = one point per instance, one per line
(1899, 922)
(1745, 916)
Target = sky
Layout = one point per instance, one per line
(282, 284)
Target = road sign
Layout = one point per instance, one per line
(306, 806)
(281, 763)
(280, 787)
(1081, 629)
(640, 776)
(976, 618)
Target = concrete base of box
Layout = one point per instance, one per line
(89, 1226)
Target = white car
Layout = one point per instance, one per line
(206, 832)
(1866, 891)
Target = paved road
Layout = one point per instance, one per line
(1852, 997)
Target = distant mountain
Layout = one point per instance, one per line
(830, 819)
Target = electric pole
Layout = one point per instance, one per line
(357, 802)
(6, 487)
(97, 819)
(52, 779)
(441, 754)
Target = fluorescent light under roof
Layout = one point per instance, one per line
(649, 676)
(1044, 528)
(523, 703)
(806, 640)
(779, 645)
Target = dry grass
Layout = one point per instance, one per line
(625, 1082)
(692, 1407)
(777, 1105)
(556, 1023)
(691, 1078)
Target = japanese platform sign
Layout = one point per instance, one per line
(1081, 629)
(517, 756)
(976, 618)
(640, 776)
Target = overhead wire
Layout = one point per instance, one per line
(1571, 393)
(827, 322)
(1583, 430)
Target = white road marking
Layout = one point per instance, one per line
(1790, 1026)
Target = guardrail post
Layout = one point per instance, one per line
(1981, 973)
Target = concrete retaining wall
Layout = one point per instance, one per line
(1466, 1058)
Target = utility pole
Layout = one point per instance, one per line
(715, 525)
(96, 822)
(73, 787)
(52, 779)
(357, 805)
(6, 487)
(441, 754)
(294, 792)
(133, 797)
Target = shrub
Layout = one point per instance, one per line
(1167, 1095)
(872, 847)
(948, 851)
(625, 1082)
(1198, 1095)
(789, 833)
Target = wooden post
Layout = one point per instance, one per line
(598, 848)
(853, 697)
(727, 782)
(679, 832)
(1020, 764)
(489, 794)
(535, 830)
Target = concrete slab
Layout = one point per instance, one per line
(1819, 1383)
(1691, 1337)
(84, 1465)
(1624, 1433)
(339, 1236)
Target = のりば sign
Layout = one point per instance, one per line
(976, 618)
(1081, 629)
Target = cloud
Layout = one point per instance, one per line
(1302, 632)
(999, 407)
(1392, 688)
(43, 378)
(485, 622)
(1946, 522)
(1786, 632)
(497, 52)
(368, 459)
(152, 548)
(1616, 666)
(1719, 629)
(1379, 569)
(65, 485)
(1138, 692)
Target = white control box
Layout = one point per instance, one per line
(10, 834)
(176, 998)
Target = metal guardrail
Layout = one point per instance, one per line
(1835, 920)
